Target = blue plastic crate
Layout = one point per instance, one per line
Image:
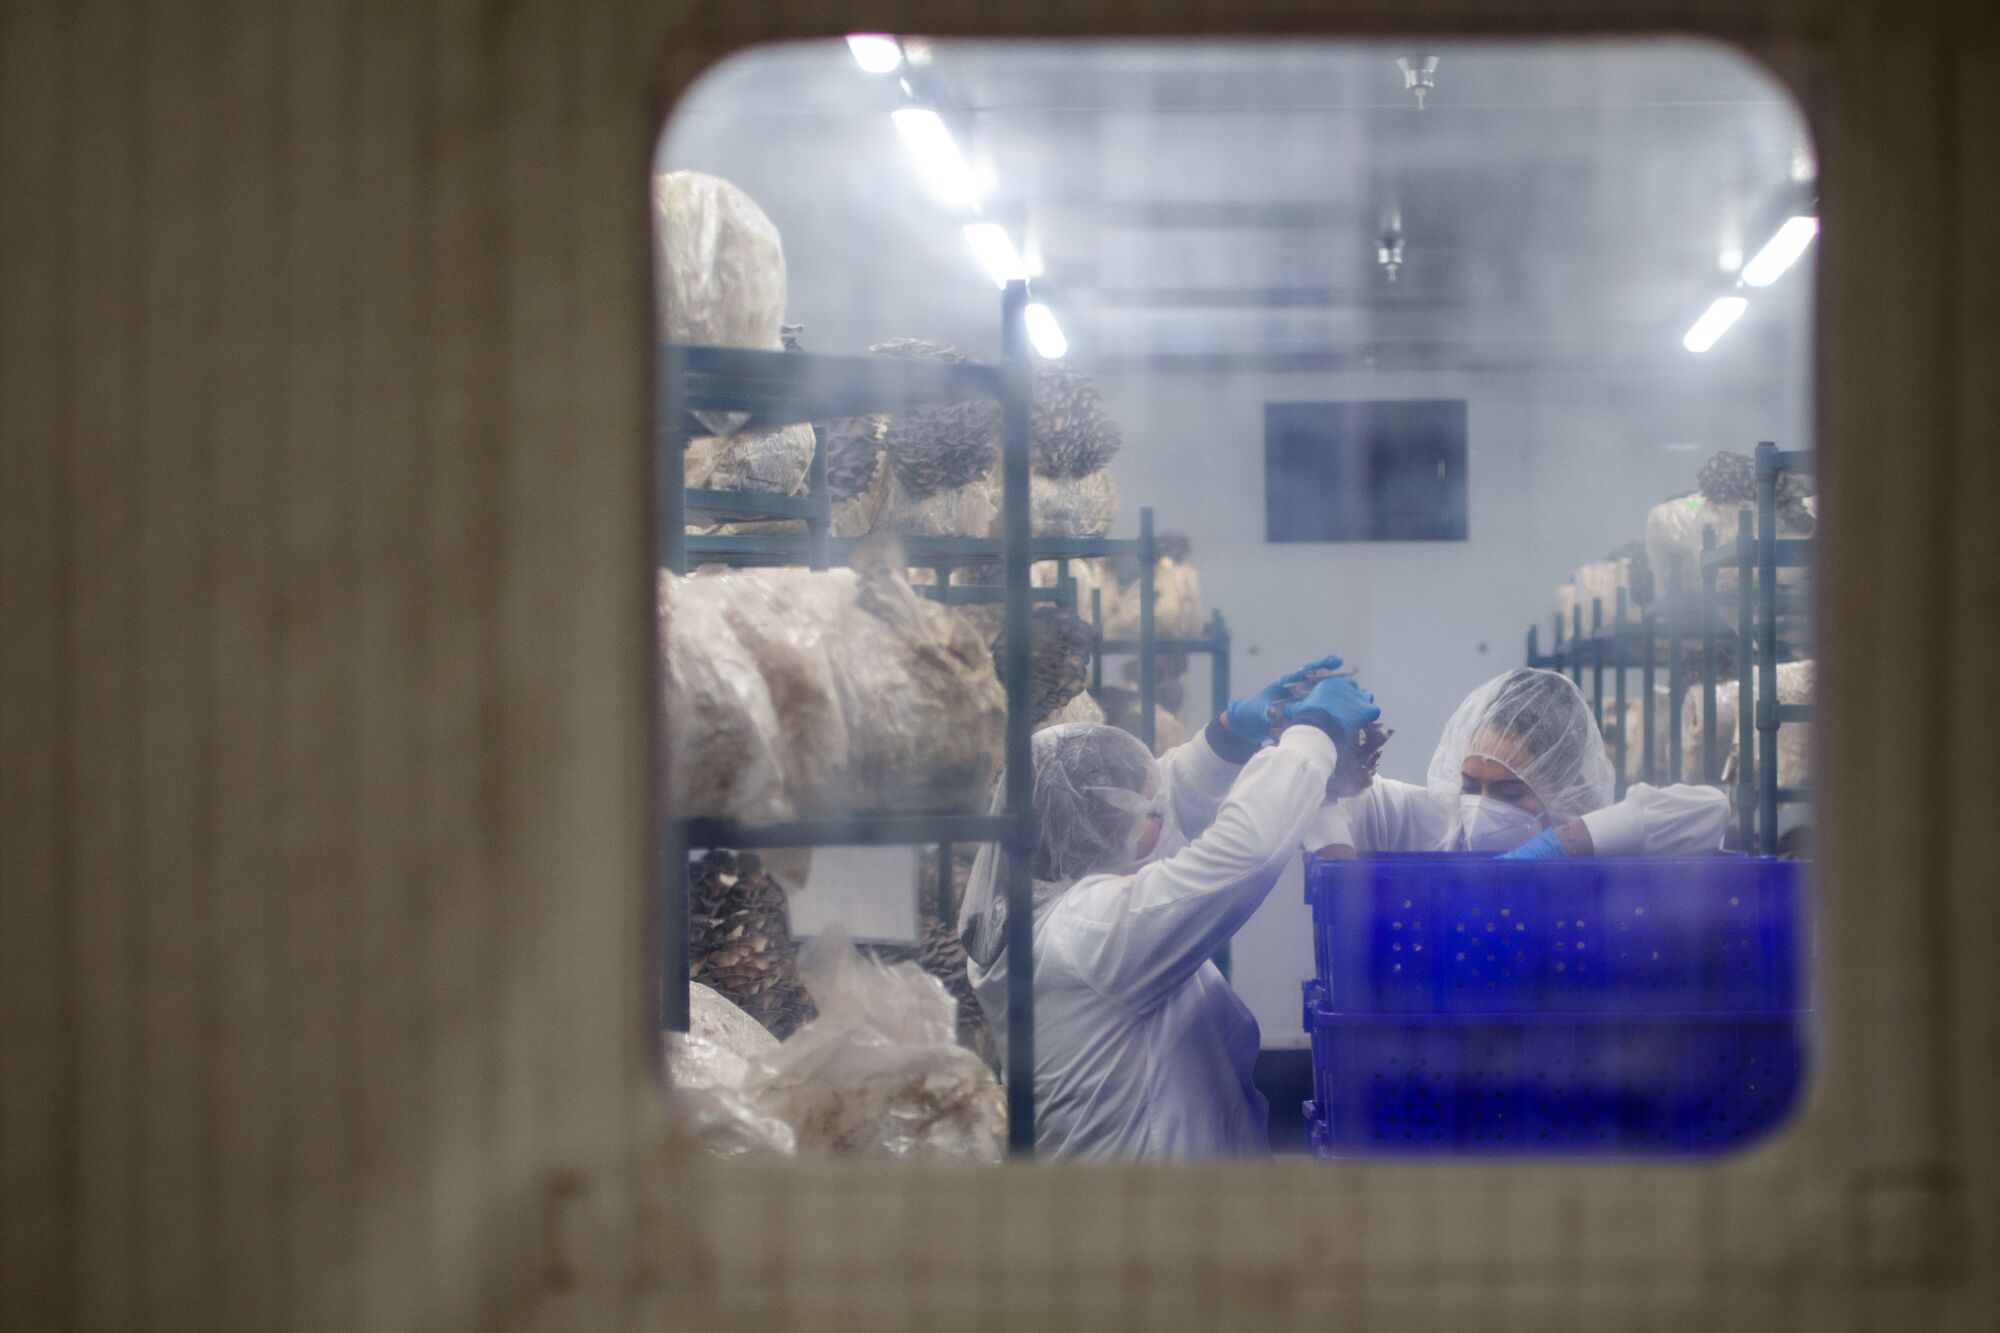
(1469, 1005)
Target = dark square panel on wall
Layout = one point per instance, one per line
(1391, 471)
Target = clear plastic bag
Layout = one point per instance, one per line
(1084, 506)
(721, 269)
(1673, 542)
(1795, 686)
(1565, 607)
(1597, 584)
(840, 691)
(707, 1067)
(1635, 736)
(880, 1072)
(1082, 708)
(1176, 602)
(713, 1018)
(971, 510)
(768, 462)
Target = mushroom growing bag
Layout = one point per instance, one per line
(790, 692)
(880, 1072)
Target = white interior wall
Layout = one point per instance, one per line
(1562, 467)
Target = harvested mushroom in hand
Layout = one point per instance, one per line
(1358, 756)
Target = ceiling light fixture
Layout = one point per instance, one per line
(1714, 322)
(1781, 251)
(1419, 75)
(1389, 253)
(1044, 333)
(875, 52)
(996, 252)
(943, 165)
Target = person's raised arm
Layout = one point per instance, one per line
(1681, 820)
(1199, 773)
(1136, 940)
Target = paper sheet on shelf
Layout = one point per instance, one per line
(870, 892)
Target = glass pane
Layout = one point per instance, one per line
(1484, 367)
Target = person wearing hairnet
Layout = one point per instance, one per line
(1143, 868)
(1521, 771)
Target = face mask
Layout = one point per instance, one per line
(1495, 826)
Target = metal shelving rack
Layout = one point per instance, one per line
(781, 388)
(1683, 619)
(1635, 643)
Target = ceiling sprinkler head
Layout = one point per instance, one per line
(1419, 75)
(1389, 253)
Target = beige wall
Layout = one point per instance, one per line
(322, 706)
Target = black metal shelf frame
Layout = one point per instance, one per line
(772, 389)
(1763, 639)
(1773, 552)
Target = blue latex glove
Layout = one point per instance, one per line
(1544, 846)
(1350, 706)
(1251, 718)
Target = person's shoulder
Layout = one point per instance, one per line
(1411, 817)
(1644, 793)
(1092, 898)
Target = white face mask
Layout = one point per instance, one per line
(1492, 825)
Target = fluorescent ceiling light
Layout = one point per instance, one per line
(996, 252)
(1714, 322)
(1043, 333)
(875, 52)
(1781, 251)
(943, 165)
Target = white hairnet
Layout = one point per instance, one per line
(1538, 725)
(1090, 802)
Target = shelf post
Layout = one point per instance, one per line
(1218, 671)
(1767, 685)
(1746, 694)
(673, 915)
(1016, 401)
(670, 468)
(1649, 757)
(819, 527)
(947, 909)
(1676, 686)
(1597, 661)
(1096, 641)
(674, 891)
(1710, 773)
(1576, 645)
(1618, 687)
(1148, 555)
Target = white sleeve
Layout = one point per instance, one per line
(1135, 939)
(1332, 825)
(1682, 820)
(1196, 780)
(1389, 816)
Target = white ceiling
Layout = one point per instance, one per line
(1563, 205)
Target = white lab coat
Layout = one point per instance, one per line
(1141, 1048)
(1390, 816)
